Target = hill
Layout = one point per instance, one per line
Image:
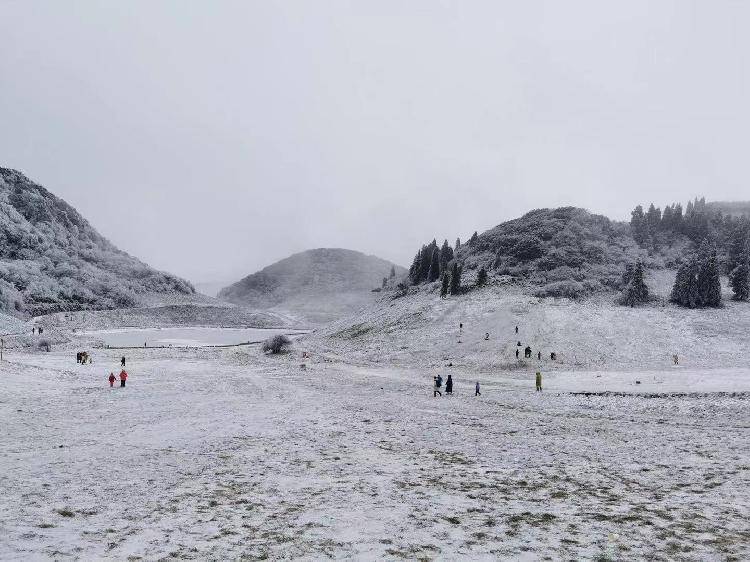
(316, 285)
(52, 259)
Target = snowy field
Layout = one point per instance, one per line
(226, 454)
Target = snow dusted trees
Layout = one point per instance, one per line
(635, 291)
(434, 272)
(482, 277)
(455, 279)
(697, 284)
(638, 225)
(276, 344)
(740, 276)
(445, 280)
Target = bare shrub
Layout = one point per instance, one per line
(44, 345)
(276, 344)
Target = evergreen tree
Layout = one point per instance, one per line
(709, 284)
(385, 282)
(473, 238)
(446, 255)
(458, 244)
(685, 289)
(653, 220)
(455, 279)
(434, 272)
(638, 225)
(414, 269)
(740, 277)
(393, 272)
(636, 291)
(482, 277)
(667, 222)
(444, 285)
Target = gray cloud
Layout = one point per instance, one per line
(211, 139)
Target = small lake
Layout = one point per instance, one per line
(193, 337)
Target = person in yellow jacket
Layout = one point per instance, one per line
(538, 381)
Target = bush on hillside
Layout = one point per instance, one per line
(44, 345)
(276, 344)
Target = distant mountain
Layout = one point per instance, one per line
(52, 259)
(317, 285)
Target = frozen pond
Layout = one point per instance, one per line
(158, 337)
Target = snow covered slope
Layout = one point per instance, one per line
(51, 259)
(317, 285)
(423, 329)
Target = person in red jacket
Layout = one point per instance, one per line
(111, 380)
(123, 377)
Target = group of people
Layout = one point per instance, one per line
(437, 382)
(123, 375)
(83, 357)
(39, 330)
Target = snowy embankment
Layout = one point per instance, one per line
(422, 329)
(227, 454)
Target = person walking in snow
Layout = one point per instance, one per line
(538, 381)
(486, 336)
(476, 390)
(449, 385)
(516, 353)
(436, 387)
(123, 378)
(122, 362)
(516, 329)
(111, 380)
(539, 356)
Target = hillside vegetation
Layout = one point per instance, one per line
(52, 260)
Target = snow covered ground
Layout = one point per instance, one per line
(217, 454)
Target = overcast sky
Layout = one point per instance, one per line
(212, 138)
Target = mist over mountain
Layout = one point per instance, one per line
(318, 285)
(52, 259)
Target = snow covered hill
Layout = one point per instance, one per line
(422, 329)
(317, 285)
(52, 260)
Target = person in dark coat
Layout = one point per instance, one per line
(449, 385)
(516, 353)
(122, 361)
(539, 356)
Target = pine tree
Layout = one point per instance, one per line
(638, 225)
(636, 291)
(434, 272)
(482, 277)
(455, 279)
(385, 282)
(393, 272)
(446, 255)
(473, 239)
(458, 244)
(444, 285)
(709, 284)
(740, 277)
(685, 289)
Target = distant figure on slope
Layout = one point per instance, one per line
(123, 378)
(144, 344)
(436, 387)
(486, 336)
(538, 381)
(553, 356)
(449, 385)
(539, 356)
(675, 359)
(111, 380)
(516, 353)
(516, 329)
(122, 362)
(33, 329)
(476, 390)
(527, 352)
